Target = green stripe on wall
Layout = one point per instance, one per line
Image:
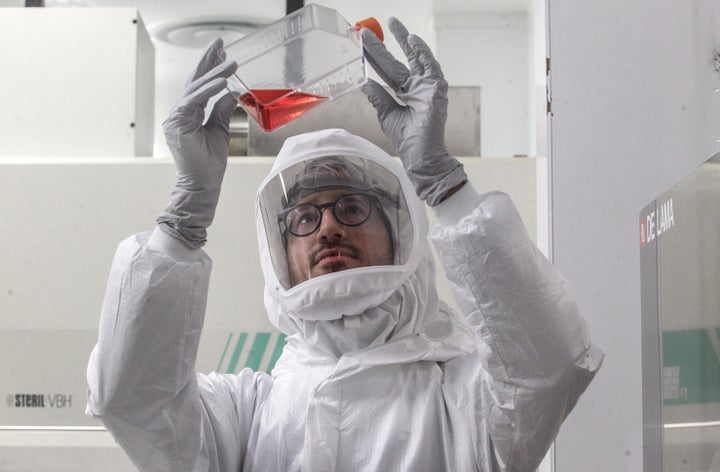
(236, 354)
(257, 350)
(276, 352)
(222, 358)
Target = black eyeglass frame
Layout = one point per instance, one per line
(372, 200)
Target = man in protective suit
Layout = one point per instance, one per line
(377, 373)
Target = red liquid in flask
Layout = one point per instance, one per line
(274, 108)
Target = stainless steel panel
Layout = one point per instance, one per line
(680, 257)
(103, 108)
(354, 113)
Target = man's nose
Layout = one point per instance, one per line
(330, 228)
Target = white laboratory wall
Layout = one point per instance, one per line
(75, 82)
(62, 220)
(636, 106)
(63, 215)
(491, 50)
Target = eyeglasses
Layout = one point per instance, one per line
(304, 219)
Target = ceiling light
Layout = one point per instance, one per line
(198, 33)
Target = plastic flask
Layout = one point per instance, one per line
(297, 63)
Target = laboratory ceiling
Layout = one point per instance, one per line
(161, 12)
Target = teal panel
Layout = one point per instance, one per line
(222, 358)
(257, 350)
(692, 351)
(236, 353)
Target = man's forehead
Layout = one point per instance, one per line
(323, 195)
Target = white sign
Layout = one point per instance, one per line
(657, 222)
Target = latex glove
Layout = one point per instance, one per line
(416, 127)
(200, 151)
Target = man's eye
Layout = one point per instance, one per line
(353, 206)
(303, 216)
(308, 217)
(353, 209)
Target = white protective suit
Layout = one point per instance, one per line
(405, 385)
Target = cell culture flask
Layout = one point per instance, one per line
(297, 63)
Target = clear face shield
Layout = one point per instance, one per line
(331, 214)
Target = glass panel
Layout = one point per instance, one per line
(683, 228)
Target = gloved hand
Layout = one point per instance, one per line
(416, 128)
(200, 151)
